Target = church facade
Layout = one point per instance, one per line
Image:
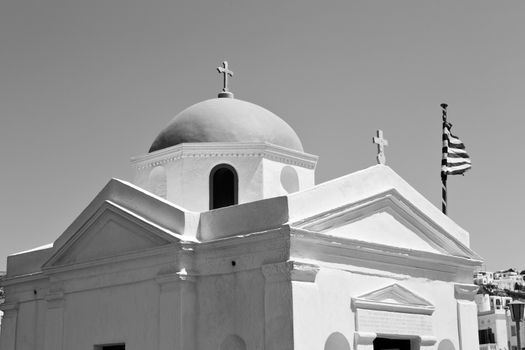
(224, 241)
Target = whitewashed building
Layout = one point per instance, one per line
(483, 278)
(497, 331)
(494, 322)
(2, 273)
(224, 241)
(508, 279)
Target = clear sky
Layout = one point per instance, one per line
(85, 85)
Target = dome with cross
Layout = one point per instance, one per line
(227, 120)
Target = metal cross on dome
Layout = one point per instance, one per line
(225, 71)
(381, 143)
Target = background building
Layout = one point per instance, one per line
(497, 290)
(2, 273)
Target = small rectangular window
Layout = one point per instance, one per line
(110, 347)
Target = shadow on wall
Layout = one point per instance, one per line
(337, 341)
(233, 342)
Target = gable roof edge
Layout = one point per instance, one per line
(363, 184)
(142, 203)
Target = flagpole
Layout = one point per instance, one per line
(443, 163)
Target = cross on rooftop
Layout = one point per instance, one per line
(225, 71)
(381, 143)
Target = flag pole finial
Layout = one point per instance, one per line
(444, 107)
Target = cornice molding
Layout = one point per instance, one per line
(152, 252)
(303, 272)
(377, 305)
(228, 150)
(392, 202)
(330, 248)
(256, 241)
(290, 271)
(32, 277)
(364, 338)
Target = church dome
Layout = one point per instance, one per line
(227, 120)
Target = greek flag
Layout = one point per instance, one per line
(455, 159)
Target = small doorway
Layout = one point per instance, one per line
(391, 344)
(111, 347)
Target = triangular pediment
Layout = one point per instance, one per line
(111, 232)
(393, 298)
(386, 219)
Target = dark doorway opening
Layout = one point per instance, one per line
(111, 347)
(223, 186)
(391, 344)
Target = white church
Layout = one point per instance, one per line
(223, 241)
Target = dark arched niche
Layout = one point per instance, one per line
(233, 342)
(336, 341)
(446, 344)
(223, 186)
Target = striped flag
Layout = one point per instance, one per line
(455, 158)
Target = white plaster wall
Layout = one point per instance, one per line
(258, 178)
(141, 177)
(324, 307)
(273, 179)
(7, 332)
(26, 326)
(174, 183)
(196, 176)
(125, 313)
(188, 168)
(158, 181)
(231, 304)
(500, 333)
(188, 180)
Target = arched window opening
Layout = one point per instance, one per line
(223, 186)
